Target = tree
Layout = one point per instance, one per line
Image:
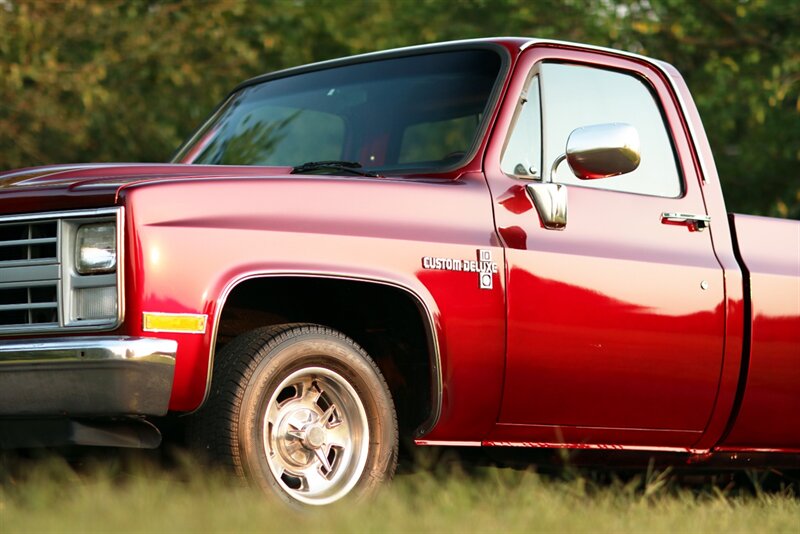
(741, 61)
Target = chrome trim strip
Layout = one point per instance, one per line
(88, 349)
(431, 327)
(590, 446)
(31, 306)
(98, 212)
(655, 63)
(37, 241)
(446, 443)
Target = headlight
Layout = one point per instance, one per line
(96, 248)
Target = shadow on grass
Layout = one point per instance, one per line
(645, 476)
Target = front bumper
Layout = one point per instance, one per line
(86, 376)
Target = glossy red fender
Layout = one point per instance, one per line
(194, 241)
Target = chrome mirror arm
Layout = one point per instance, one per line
(550, 199)
(554, 168)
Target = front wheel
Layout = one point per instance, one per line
(302, 412)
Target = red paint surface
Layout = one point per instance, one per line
(769, 416)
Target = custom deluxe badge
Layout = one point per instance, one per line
(484, 266)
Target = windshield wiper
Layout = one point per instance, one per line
(336, 165)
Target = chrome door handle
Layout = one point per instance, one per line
(697, 222)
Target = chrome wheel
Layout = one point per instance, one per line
(301, 412)
(316, 435)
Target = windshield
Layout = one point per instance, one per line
(405, 114)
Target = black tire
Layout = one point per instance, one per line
(287, 411)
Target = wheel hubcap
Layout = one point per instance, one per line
(316, 435)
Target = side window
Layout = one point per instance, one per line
(575, 96)
(523, 153)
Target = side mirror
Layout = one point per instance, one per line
(597, 151)
(603, 150)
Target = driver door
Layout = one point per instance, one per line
(615, 322)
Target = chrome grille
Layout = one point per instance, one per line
(29, 274)
(26, 242)
(41, 289)
(36, 304)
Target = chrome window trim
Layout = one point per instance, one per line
(118, 212)
(523, 99)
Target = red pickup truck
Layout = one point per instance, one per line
(498, 243)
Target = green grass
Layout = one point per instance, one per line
(120, 492)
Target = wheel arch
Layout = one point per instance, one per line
(418, 299)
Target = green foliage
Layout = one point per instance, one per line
(741, 60)
(84, 80)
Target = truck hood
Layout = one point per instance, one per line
(59, 187)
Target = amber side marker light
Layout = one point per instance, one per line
(182, 323)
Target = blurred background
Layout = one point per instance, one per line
(101, 81)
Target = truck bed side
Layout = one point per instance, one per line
(769, 410)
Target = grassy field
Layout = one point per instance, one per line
(123, 492)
